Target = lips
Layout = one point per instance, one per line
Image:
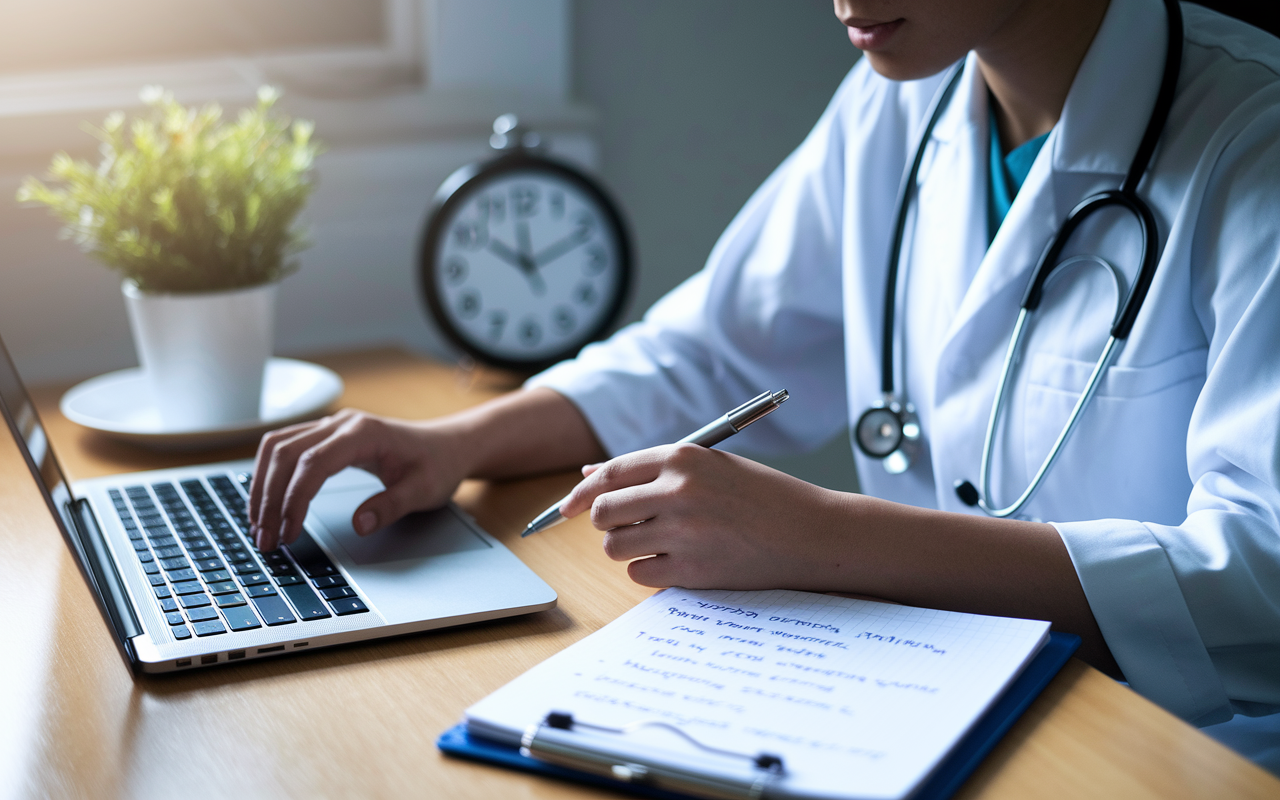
(867, 35)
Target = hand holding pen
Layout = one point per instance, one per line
(709, 435)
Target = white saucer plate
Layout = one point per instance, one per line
(119, 404)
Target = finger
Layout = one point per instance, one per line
(279, 474)
(588, 469)
(656, 571)
(629, 470)
(642, 539)
(266, 446)
(626, 506)
(342, 448)
(266, 449)
(387, 506)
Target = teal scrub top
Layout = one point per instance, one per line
(1008, 172)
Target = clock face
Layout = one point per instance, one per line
(526, 265)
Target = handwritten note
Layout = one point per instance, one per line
(861, 699)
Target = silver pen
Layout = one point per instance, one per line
(708, 435)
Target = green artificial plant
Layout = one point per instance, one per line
(183, 201)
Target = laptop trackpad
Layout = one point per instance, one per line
(424, 534)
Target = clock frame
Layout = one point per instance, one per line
(458, 190)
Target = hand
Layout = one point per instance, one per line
(702, 518)
(418, 462)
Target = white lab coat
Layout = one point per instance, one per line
(1168, 494)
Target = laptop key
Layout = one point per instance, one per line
(161, 591)
(202, 553)
(261, 590)
(223, 587)
(310, 557)
(229, 600)
(172, 551)
(194, 600)
(182, 575)
(202, 614)
(174, 563)
(274, 611)
(156, 580)
(252, 578)
(180, 632)
(348, 605)
(245, 569)
(305, 601)
(210, 628)
(139, 545)
(209, 564)
(241, 618)
(217, 576)
(288, 580)
(330, 580)
(337, 592)
(188, 587)
(169, 605)
(174, 617)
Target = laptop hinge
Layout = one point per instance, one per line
(112, 597)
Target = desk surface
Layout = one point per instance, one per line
(362, 720)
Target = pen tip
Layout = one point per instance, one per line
(780, 396)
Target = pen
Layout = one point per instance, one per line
(708, 435)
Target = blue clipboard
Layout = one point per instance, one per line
(943, 783)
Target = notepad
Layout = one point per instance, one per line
(859, 699)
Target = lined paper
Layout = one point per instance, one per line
(861, 699)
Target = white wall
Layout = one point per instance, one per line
(698, 102)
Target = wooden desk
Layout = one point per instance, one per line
(361, 721)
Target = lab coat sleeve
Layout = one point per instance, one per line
(1191, 612)
(763, 314)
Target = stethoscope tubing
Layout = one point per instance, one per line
(1126, 197)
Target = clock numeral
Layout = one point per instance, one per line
(557, 204)
(585, 293)
(497, 321)
(529, 332)
(492, 207)
(596, 261)
(470, 235)
(563, 319)
(469, 304)
(524, 201)
(583, 224)
(455, 270)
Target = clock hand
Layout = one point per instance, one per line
(526, 245)
(520, 262)
(552, 252)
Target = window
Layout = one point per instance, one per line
(67, 34)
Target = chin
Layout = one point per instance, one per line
(896, 67)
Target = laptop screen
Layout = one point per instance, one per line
(29, 432)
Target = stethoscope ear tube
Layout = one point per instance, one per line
(1127, 313)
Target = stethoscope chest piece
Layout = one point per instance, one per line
(889, 431)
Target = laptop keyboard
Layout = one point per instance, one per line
(205, 573)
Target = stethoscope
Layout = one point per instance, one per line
(890, 429)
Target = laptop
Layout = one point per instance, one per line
(181, 585)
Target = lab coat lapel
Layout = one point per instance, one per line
(1095, 138)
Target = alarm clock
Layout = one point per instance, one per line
(524, 258)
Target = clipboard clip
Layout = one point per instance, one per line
(547, 741)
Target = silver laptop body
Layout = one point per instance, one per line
(181, 586)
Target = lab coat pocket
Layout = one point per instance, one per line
(1127, 457)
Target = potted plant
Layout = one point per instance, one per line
(198, 215)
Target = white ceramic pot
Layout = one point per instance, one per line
(204, 353)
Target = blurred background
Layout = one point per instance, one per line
(681, 107)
